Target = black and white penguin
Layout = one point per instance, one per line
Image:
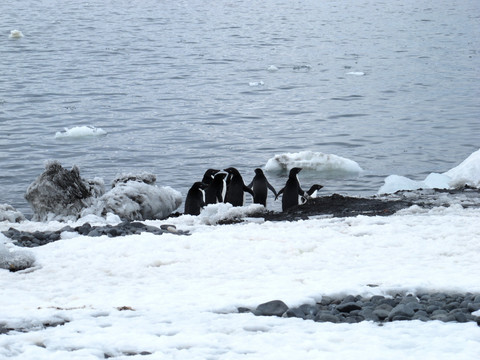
(195, 200)
(292, 192)
(208, 176)
(260, 186)
(236, 188)
(215, 191)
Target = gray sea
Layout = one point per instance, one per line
(181, 86)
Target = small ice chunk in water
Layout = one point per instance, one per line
(15, 34)
(256, 83)
(79, 132)
(272, 68)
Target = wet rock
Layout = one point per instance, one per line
(271, 308)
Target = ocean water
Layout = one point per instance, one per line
(183, 86)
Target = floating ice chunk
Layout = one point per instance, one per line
(10, 214)
(467, 173)
(256, 83)
(272, 68)
(79, 132)
(316, 161)
(15, 34)
(356, 73)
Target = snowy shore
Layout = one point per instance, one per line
(167, 296)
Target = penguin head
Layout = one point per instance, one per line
(294, 171)
(199, 185)
(220, 176)
(232, 170)
(258, 171)
(211, 172)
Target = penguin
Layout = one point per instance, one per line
(292, 190)
(236, 188)
(309, 192)
(208, 176)
(215, 191)
(195, 200)
(260, 188)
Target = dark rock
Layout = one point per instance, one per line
(309, 309)
(382, 314)
(295, 312)
(348, 307)
(431, 308)
(271, 308)
(326, 317)
(401, 312)
(243, 310)
(472, 307)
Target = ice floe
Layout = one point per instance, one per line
(466, 173)
(80, 132)
(310, 160)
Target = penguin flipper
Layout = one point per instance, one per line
(279, 193)
(247, 189)
(272, 189)
(250, 185)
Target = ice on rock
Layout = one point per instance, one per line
(62, 194)
(58, 192)
(137, 198)
(10, 214)
(15, 260)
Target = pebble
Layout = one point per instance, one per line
(353, 309)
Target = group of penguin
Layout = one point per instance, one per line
(228, 187)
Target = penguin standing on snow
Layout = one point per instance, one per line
(195, 200)
(236, 188)
(260, 188)
(215, 191)
(292, 191)
(208, 176)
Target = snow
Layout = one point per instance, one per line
(315, 161)
(183, 291)
(175, 297)
(467, 173)
(80, 132)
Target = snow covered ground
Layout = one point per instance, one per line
(175, 297)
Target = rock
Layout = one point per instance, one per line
(58, 192)
(295, 312)
(348, 307)
(401, 312)
(15, 260)
(382, 314)
(308, 309)
(325, 316)
(271, 308)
